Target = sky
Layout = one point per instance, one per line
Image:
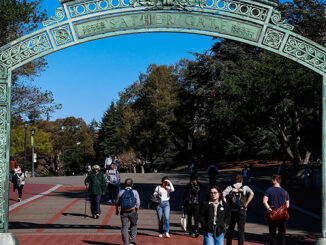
(86, 78)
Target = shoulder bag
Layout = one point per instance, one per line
(279, 214)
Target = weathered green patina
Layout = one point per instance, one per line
(254, 22)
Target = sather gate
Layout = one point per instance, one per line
(255, 22)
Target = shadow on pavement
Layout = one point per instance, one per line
(99, 243)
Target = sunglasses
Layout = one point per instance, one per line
(213, 193)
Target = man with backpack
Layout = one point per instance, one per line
(112, 177)
(129, 203)
(238, 197)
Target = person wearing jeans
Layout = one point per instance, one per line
(163, 209)
(214, 217)
(95, 183)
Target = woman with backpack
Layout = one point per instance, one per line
(214, 217)
(163, 209)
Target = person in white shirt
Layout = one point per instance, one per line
(112, 177)
(163, 209)
(108, 161)
(19, 181)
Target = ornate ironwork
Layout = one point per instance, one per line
(273, 38)
(276, 19)
(62, 35)
(59, 16)
(3, 169)
(306, 52)
(24, 50)
(3, 92)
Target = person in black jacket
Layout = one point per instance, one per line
(191, 198)
(214, 217)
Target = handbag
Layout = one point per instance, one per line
(183, 221)
(154, 200)
(279, 214)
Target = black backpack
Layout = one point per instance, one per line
(236, 198)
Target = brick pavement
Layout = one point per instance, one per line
(59, 218)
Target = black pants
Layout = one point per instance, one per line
(113, 192)
(20, 190)
(281, 226)
(237, 217)
(192, 211)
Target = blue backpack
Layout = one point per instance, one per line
(128, 199)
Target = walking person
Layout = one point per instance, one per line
(214, 217)
(107, 163)
(246, 174)
(163, 209)
(95, 183)
(129, 203)
(238, 197)
(283, 170)
(88, 168)
(19, 181)
(274, 198)
(212, 172)
(191, 200)
(112, 177)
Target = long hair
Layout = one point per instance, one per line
(219, 190)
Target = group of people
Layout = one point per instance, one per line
(218, 215)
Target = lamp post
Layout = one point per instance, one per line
(32, 139)
(25, 145)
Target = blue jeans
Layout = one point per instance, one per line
(95, 204)
(209, 239)
(163, 209)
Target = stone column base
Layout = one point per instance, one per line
(321, 241)
(8, 239)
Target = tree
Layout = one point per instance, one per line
(18, 18)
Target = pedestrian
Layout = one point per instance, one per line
(163, 209)
(108, 161)
(214, 217)
(238, 197)
(129, 203)
(88, 168)
(95, 183)
(212, 172)
(191, 200)
(246, 174)
(19, 181)
(112, 177)
(274, 198)
(116, 162)
(283, 171)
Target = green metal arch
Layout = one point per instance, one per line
(79, 21)
(254, 22)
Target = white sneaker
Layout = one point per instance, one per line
(167, 235)
(19, 199)
(160, 235)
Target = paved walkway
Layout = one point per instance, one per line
(59, 216)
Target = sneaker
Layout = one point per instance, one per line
(160, 235)
(133, 243)
(19, 199)
(193, 235)
(196, 235)
(167, 235)
(94, 216)
(97, 216)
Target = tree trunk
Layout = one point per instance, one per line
(307, 157)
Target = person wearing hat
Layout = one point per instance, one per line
(96, 185)
(191, 200)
